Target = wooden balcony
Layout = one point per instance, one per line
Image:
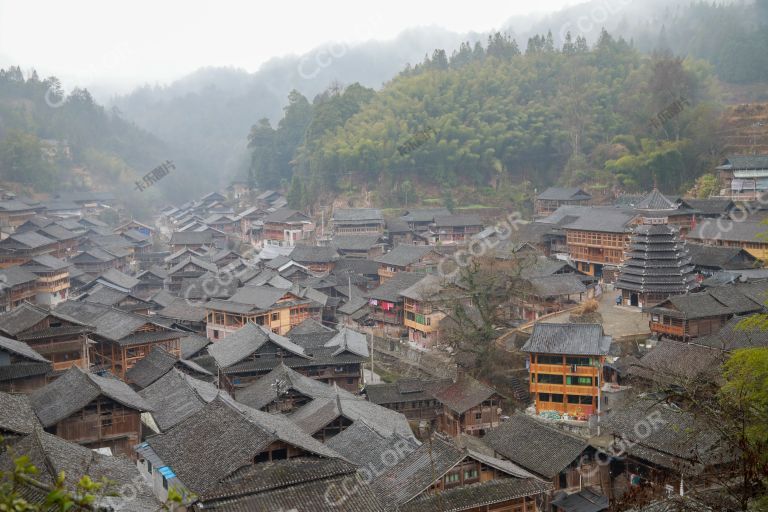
(564, 389)
(564, 369)
(670, 330)
(97, 428)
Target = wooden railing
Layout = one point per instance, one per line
(673, 330)
(564, 369)
(565, 389)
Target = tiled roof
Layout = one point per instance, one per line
(176, 396)
(191, 238)
(54, 456)
(655, 201)
(728, 230)
(314, 254)
(286, 215)
(564, 194)
(75, 389)
(151, 367)
(120, 279)
(19, 348)
(425, 214)
(676, 437)
(357, 214)
(405, 390)
(364, 446)
(394, 286)
(724, 258)
(672, 362)
(555, 285)
(14, 276)
(479, 495)
(16, 414)
(354, 242)
(573, 339)
(404, 254)
(262, 392)
(223, 437)
(749, 162)
(247, 340)
(463, 394)
(320, 412)
(534, 445)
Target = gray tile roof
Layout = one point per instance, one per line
(320, 412)
(191, 238)
(120, 279)
(54, 456)
(176, 396)
(746, 162)
(20, 348)
(534, 445)
(262, 392)
(555, 285)
(724, 258)
(183, 310)
(671, 362)
(735, 335)
(357, 215)
(582, 501)
(28, 315)
(348, 340)
(573, 339)
(75, 389)
(564, 194)
(313, 254)
(425, 214)
(192, 345)
(728, 230)
(114, 324)
(463, 394)
(478, 495)
(404, 254)
(656, 201)
(14, 276)
(286, 215)
(247, 340)
(261, 297)
(46, 263)
(364, 446)
(151, 367)
(16, 414)
(405, 390)
(678, 438)
(394, 286)
(28, 239)
(223, 437)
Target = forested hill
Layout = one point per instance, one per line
(104, 151)
(494, 121)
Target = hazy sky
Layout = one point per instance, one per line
(87, 42)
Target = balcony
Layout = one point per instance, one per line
(670, 330)
(563, 389)
(563, 369)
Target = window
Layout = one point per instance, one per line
(275, 317)
(544, 397)
(550, 379)
(149, 467)
(470, 474)
(215, 334)
(580, 399)
(549, 359)
(577, 361)
(350, 380)
(478, 415)
(165, 483)
(452, 478)
(556, 398)
(578, 381)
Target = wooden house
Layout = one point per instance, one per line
(554, 197)
(91, 410)
(20, 248)
(686, 317)
(387, 304)
(120, 339)
(274, 308)
(319, 260)
(22, 370)
(548, 452)
(565, 365)
(408, 258)
(357, 221)
(414, 398)
(456, 229)
(61, 339)
(17, 285)
(284, 227)
(190, 240)
(52, 279)
(366, 247)
(467, 407)
(440, 476)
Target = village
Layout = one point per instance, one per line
(242, 355)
